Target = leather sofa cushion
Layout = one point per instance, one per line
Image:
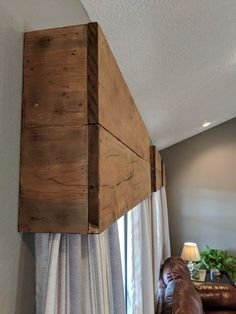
(181, 298)
(218, 296)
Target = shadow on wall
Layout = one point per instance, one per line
(25, 292)
(16, 259)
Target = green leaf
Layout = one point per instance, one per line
(220, 259)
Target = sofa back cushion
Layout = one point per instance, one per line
(180, 295)
(181, 298)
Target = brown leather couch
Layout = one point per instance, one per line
(180, 296)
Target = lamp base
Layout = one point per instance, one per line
(193, 270)
(190, 266)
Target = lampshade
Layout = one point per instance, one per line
(190, 252)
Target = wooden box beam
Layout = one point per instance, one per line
(163, 173)
(124, 180)
(156, 169)
(85, 151)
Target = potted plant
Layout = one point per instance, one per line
(218, 259)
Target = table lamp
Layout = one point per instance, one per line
(190, 253)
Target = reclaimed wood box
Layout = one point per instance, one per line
(85, 151)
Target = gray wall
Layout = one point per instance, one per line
(17, 285)
(16, 258)
(201, 189)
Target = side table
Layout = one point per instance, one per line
(223, 278)
(205, 276)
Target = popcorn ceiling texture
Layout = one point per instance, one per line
(178, 58)
(45, 14)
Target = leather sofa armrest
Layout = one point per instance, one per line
(217, 296)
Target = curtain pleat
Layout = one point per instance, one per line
(148, 244)
(82, 274)
(147, 259)
(117, 282)
(79, 274)
(134, 261)
(140, 295)
(165, 223)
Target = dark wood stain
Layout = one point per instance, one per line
(156, 169)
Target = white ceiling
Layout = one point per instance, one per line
(42, 14)
(178, 58)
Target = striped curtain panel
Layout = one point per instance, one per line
(79, 274)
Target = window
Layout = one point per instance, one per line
(144, 244)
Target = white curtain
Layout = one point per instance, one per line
(79, 274)
(148, 244)
(140, 297)
(166, 251)
(161, 247)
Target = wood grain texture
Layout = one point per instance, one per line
(163, 174)
(55, 76)
(158, 160)
(92, 68)
(93, 178)
(112, 105)
(124, 179)
(156, 168)
(54, 141)
(85, 157)
(158, 180)
(53, 187)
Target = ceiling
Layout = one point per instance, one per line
(178, 59)
(177, 56)
(42, 14)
